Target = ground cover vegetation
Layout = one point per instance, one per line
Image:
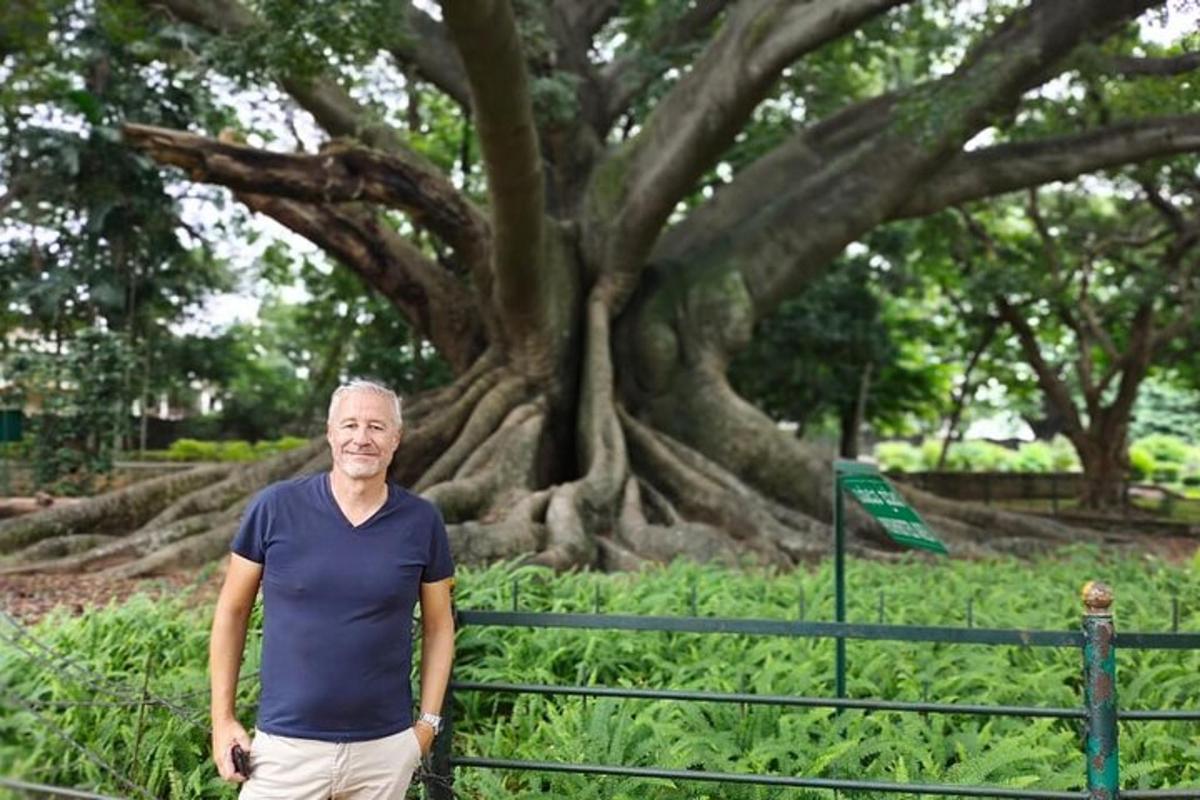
(228, 450)
(101, 659)
(586, 207)
(1158, 458)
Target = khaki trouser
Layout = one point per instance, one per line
(284, 768)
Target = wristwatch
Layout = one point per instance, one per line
(432, 720)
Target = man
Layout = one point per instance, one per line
(342, 558)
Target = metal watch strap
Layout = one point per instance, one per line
(432, 720)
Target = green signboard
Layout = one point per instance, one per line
(877, 497)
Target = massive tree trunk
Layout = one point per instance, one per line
(591, 422)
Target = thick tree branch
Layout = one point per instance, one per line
(337, 112)
(1084, 362)
(1133, 364)
(634, 192)
(1052, 385)
(441, 308)
(782, 240)
(626, 78)
(331, 105)
(580, 20)
(430, 52)
(339, 173)
(1007, 167)
(1132, 67)
(487, 39)
(1164, 207)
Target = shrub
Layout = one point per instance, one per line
(1065, 457)
(899, 457)
(931, 451)
(17, 450)
(977, 456)
(1141, 462)
(1167, 473)
(1033, 457)
(192, 450)
(1165, 449)
(266, 447)
(237, 450)
(233, 450)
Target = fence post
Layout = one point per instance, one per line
(1100, 691)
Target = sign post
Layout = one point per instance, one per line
(877, 497)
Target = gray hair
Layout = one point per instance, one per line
(360, 385)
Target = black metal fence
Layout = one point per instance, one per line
(1098, 710)
(1097, 642)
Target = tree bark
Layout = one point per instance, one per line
(1105, 468)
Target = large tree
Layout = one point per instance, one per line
(589, 301)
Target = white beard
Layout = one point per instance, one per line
(356, 468)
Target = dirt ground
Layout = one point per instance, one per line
(31, 597)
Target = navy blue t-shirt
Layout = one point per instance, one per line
(338, 607)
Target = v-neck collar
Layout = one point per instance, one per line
(327, 483)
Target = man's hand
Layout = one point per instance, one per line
(425, 734)
(225, 736)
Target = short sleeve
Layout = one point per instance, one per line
(439, 565)
(250, 541)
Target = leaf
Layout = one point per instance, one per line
(87, 104)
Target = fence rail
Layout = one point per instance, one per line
(45, 790)
(1097, 642)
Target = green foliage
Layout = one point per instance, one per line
(116, 644)
(93, 245)
(899, 457)
(237, 450)
(979, 456)
(812, 357)
(1141, 462)
(303, 40)
(1165, 449)
(1033, 457)
(1165, 459)
(82, 400)
(1167, 404)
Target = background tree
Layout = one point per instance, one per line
(839, 350)
(590, 301)
(95, 259)
(1096, 291)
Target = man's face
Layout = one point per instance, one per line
(362, 434)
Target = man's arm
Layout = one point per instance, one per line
(437, 653)
(228, 640)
